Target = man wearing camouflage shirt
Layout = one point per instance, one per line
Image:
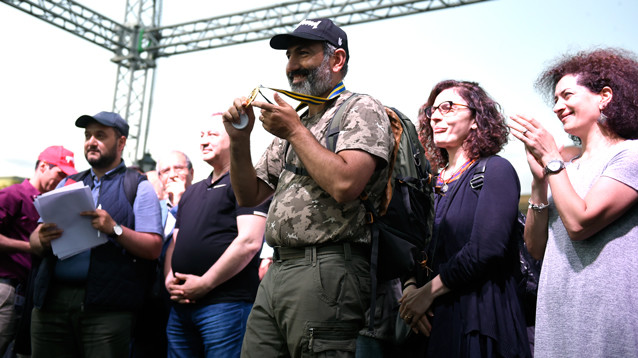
(314, 297)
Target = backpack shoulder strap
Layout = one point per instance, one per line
(479, 174)
(334, 127)
(131, 180)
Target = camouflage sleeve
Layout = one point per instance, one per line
(271, 163)
(366, 127)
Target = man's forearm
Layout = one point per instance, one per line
(349, 172)
(141, 244)
(232, 261)
(168, 259)
(249, 189)
(9, 245)
(240, 252)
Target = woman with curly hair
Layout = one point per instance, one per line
(586, 228)
(470, 306)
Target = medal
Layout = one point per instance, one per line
(251, 97)
(243, 118)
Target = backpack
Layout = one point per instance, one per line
(529, 270)
(402, 228)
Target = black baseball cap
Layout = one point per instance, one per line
(313, 29)
(108, 119)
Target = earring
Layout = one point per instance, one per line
(602, 120)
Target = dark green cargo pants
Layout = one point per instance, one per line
(311, 303)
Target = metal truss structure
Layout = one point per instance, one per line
(140, 39)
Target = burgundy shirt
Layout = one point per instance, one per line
(18, 219)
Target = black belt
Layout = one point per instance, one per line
(287, 253)
(10, 281)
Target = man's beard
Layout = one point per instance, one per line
(317, 80)
(104, 160)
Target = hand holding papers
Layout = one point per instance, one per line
(63, 207)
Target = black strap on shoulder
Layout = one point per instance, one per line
(132, 178)
(334, 127)
(479, 174)
(296, 170)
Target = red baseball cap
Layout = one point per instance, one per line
(61, 157)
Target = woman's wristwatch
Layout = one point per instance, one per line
(554, 166)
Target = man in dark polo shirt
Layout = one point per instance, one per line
(212, 263)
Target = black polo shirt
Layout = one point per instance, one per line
(207, 222)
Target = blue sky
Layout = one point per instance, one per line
(50, 77)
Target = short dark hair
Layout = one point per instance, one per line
(37, 164)
(490, 135)
(596, 69)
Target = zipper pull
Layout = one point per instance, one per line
(312, 333)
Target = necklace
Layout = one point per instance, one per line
(577, 163)
(442, 184)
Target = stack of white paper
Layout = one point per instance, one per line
(63, 207)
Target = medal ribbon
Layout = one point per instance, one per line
(441, 182)
(307, 99)
(303, 98)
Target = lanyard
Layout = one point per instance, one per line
(303, 98)
(307, 99)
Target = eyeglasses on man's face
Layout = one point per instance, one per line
(445, 108)
(178, 169)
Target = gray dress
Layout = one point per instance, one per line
(588, 292)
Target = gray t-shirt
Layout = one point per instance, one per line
(588, 291)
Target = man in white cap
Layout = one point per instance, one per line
(85, 304)
(314, 297)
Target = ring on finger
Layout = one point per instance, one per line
(525, 131)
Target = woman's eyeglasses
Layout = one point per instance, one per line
(445, 108)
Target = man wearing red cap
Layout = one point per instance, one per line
(18, 218)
